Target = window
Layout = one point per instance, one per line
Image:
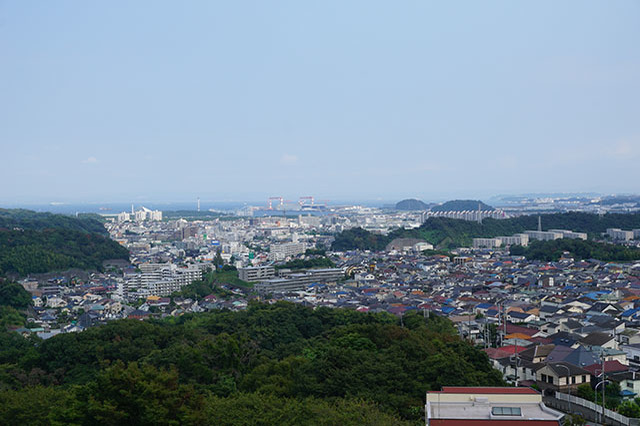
(573, 380)
(506, 411)
(544, 377)
(584, 379)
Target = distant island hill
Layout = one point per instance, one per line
(449, 206)
(473, 210)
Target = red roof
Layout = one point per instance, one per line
(512, 328)
(484, 422)
(541, 340)
(495, 353)
(614, 366)
(488, 390)
(511, 349)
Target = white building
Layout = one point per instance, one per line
(145, 214)
(544, 235)
(282, 251)
(570, 234)
(124, 217)
(300, 280)
(514, 240)
(256, 273)
(619, 234)
(486, 243)
(162, 279)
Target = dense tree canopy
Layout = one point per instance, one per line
(359, 239)
(579, 249)
(14, 295)
(281, 361)
(27, 219)
(34, 242)
(316, 262)
(28, 251)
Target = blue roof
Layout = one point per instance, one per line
(447, 309)
(630, 312)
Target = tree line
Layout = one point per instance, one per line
(28, 219)
(29, 251)
(280, 363)
(549, 251)
(32, 242)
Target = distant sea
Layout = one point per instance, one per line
(115, 208)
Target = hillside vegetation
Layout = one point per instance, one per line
(28, 219)
(411, 204)
(271, 364)
(579, 249)
(461, 205)
(33, 242)
(450, 233)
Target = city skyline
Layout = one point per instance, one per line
(365, 100)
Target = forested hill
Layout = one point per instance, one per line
(33, 242)
(270, 364)
(411, 204)
(28, 219)
(578, 249)
(449, 233)
(461, 205)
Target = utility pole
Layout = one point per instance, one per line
(604, 385)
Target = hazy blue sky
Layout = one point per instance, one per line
(124, 100)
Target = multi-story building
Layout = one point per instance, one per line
(570, 234)
(158, 279)
(146, 214)
(619, 234)
(544, 235)
(256, 273)
(486, 243)
(299, 281)
(514, 240)
(282, 251)
(124, 217)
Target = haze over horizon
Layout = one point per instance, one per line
(109, 102)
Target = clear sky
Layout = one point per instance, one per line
(166, 101)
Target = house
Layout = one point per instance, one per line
(599, 339)
(561, 376)
(633, 354)
(610, 367)
(458, 406)
(139, 314)
(520, 317)
(629, 382)
(537, 353)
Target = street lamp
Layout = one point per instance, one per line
(568, 386)
(596, 390)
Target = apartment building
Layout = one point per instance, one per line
(256, 273)
(299, 281)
